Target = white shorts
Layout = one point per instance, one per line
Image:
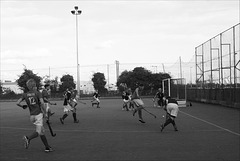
(67, 108)
(46, 106)
(125, 101)
(138, 102)
(172, 109)
(96, 100)
(38, 121)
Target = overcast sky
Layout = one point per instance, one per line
(42, 34)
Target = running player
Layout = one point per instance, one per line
(126, 100)
(138, 102)
(67, 107)
(159, 95)
(96, 99)
(35, 104)
(131, 104)
(46, 95)
(73, 98)
(172, 112)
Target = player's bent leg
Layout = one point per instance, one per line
(174, 125)
(27, 139)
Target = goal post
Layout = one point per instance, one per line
(176, 88)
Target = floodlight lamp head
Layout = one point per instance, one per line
(79, 12)
(73, 12)
(76, 7)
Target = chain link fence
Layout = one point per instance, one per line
(218, 69)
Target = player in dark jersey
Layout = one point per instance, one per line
(67, 107)
(126, 100)
(46, 95)
(159, 95)
(35, 104)
(96, 100)
(172, 112)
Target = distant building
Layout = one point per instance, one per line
(86, 87)
(12, 86)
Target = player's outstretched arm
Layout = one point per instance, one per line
(19, 103)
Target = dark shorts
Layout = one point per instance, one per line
(160, 102)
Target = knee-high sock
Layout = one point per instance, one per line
(64, 116)
(140, 113)
(174, 124)
(74, 116)
(44, 140)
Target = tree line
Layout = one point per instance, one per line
(151, 81)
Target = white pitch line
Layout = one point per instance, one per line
(211, 124)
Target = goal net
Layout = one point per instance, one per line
(175, 88)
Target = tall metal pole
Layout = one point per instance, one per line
(77, 12)
(108, 75)
(180, 63)
(117, 69)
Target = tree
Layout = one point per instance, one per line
(99, 82)
(141, 75)
(1, 88)
(25, 76)
(135, 77)
(53, 84)
(157, 79)
(67, 81)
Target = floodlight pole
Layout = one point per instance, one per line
(77, 12)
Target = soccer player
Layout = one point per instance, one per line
(131, 104)
(159, 95)
(96, 99)
(138, 102)
(73, 98)
(67, 107)
(35, 104)
(172, 112)
(46, 95)
(126, 100)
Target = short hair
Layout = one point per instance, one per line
(141, 85)
(31, 83)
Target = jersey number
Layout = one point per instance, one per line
(32, 101)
